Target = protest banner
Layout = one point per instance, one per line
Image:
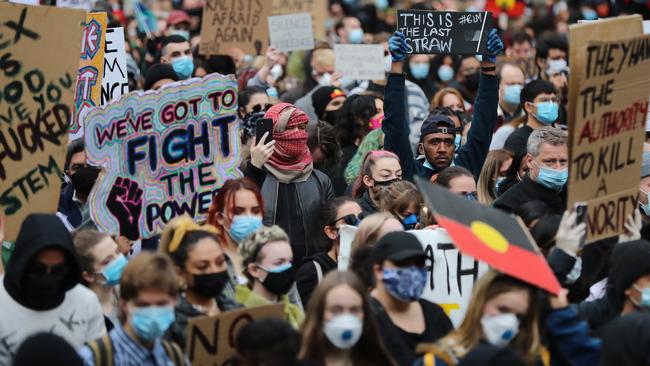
(89, 79)
(36, 103)
(608, 131)
(445, 32)
(115, 81)
(450, 273)
(292, 32)
(86, 5)
(239, 24)
(317, 9)
(163, 154)
(211, 339)
(360, 61)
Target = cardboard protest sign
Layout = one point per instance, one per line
(115, 81)
(489, 235)
(235, 24)
(360, 61)
(609, 132)
(445, 32)
(36, 103)
(451, 274)
(317, 9)
(292, 32)
(91, 70)
(86, 5)
(211, 339)
(163, 153)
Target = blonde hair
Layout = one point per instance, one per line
(368, 232)
(323, 57)
(492, 284)
(250, 248)
(491, 166)
(436, 101)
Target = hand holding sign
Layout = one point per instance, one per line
(125, 203)
(397, 47)
(494, 46)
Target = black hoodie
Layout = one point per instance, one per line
(38, 232)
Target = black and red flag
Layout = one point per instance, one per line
(489, 235)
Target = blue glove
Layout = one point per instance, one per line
(494, 45)
(397, 47)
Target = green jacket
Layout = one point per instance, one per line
(249, 299)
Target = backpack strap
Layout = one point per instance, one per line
(174, 353)
(102, 350)
(319, 271)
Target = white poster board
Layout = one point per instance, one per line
(360, 61)
(115, 82)
(291, 32)
(86, 5)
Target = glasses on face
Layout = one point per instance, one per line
(261, 107)
(352, 220)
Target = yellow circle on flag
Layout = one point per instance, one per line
(490, 236)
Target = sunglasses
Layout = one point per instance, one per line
(352, 220)
(260, 108)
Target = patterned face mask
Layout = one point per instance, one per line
(406, 284)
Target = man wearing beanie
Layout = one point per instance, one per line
(158, 75)
(327, 102)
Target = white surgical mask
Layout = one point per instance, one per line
(500, 329)
(343, 331)
(276, 71)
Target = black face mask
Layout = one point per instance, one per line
(471, 82)
(279, 283)
(84, 179)
(331, 116)
(208, 286)
(45, 289)
(385, 183)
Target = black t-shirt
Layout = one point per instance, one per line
(307, 276)
(289, 218)
(402, 344)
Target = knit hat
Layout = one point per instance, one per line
(645, 164)
(46, 349)
(438, 123)
(322, 96)
(628, 262)
(157, 72)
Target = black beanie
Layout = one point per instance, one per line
(628, 262)
(322, 96)
(157, 72)
(438, 123)
(46, 349)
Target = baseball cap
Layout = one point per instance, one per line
(438, 123)
(177, 16)
(397, 247)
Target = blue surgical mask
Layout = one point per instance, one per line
(113, 271)
(498, 183)
(181, 32)
(589, 14)
(381, 4)
(645, 206)
(512, 93)
(151, 322)
(243, 226)
(405, 284)
(547, 112)
(356, 36)
(457, 140)
(272, 92)
(419, 71)
(552, 178)
(410, 222)
(445, 73)
(645, 297)
(184, 67)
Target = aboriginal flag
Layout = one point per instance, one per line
(489, 235)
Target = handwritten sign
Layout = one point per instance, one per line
(115, 82)
(445, 32)
(86, 5)
(36, 101)
(610, 104)
(292, 32)
(235, 24)
(89, 79)
(317, 9)
(163, 153)
(211, 340)
(360, 61)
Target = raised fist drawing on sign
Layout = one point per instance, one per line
(125, 203)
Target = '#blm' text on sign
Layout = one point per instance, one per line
(91, 70)
(228, 24)
(609, 132)
(445, 32)
(163, 154)
(360, 61)
(211, 339)
(38, 69)
(115, 82)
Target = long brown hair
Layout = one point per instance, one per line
(492, 284)
(369, 350)
(369, 161)
(485, 185)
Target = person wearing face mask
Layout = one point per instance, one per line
(270, 73)
(102, 265)
(503, 312)
(178, 23)
(339, 328)
(405, 319)
(418, 70)
(328, 102)
(176, 51)
(349, 30)
(493, 175)
(73, 207)
(438, 132)
(510, 112)
(40, 290)
(403, 200)
(292, 189)
(548, 164)
(458, 180)
(335, 213)
(551, 51)
(148, 292)
(379, 169)
(202, 270)
(266, 258)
